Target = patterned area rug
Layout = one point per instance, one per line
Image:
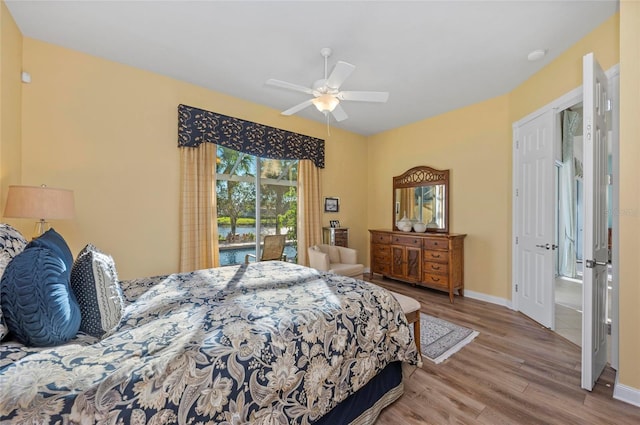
(440, 339)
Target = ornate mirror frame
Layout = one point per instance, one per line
(419, 177)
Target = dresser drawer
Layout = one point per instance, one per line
(381, 268)
(436, 243)
(380, 252)
(435, 279)
(380, 238)
(437, 268)
(437, 256)
(342, 239)
(407, 241)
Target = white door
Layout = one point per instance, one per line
(595, 252)
(535, 237)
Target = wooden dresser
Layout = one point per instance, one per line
(434, 260)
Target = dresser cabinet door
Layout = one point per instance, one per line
(397, 261)
(414, 262)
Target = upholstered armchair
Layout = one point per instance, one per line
(336, 259)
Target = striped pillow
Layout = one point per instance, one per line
(94, 281)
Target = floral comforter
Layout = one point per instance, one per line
(268, 343)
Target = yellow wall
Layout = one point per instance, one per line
(10, 101)
(629, 207)
(109, 132)
(565, 72)
(474, 144)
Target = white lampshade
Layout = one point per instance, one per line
(325, 102)
(39, 202)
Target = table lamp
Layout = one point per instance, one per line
(40, 202)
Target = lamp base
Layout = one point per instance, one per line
(41, 227)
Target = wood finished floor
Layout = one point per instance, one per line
(514, 372)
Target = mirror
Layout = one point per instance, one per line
(421, 195)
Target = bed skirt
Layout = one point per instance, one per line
(363, 407)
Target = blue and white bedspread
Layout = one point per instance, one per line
(268, 343)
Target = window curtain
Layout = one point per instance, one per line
(309, 209)
(198, 224)
(199, 129)
(568, 198)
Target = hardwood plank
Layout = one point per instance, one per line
(514, 372)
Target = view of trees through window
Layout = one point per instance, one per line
(255, 196)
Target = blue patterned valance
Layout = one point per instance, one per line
(196, 126)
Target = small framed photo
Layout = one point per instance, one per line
(331, 204)
(334, 223)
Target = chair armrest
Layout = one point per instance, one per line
(246, 258)
(318, 260)
(348, 255)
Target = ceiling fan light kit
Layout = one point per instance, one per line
(325, 103)
(326, 92)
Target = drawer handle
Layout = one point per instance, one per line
(435, 267)
(435, 279)
(435, 255)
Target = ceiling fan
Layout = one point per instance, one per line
(326, 91)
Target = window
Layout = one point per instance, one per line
(255, 197)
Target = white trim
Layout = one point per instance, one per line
(613, 74)
(515, 218)
(626, 393)
(488, 298)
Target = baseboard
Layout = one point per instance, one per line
(476, 296)
(625, 393)
(488, 298)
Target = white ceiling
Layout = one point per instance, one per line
(431, 56)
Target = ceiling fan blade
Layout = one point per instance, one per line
(340, 72)
(364, 96)
(289, 86)
(298, 107)
(339, 114)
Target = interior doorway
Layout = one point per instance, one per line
(531, 284)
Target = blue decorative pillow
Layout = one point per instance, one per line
(94, 281)
(12, 243)
(39, 306)
(54, 241)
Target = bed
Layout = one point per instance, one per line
(264, 343)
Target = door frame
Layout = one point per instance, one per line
(563, 102)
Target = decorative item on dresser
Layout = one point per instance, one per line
(338, 236)
(434, 260)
